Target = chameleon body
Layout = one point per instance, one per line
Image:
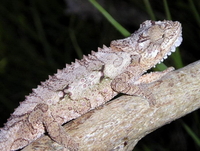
(90, 82)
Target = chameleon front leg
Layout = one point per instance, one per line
(54, 129)
(153, 76)
(123, 84)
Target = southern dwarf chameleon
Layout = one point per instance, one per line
(90, 82)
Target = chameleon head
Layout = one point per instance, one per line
(152, 42)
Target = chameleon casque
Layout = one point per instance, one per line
(90, 82)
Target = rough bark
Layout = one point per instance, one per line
(122, 122)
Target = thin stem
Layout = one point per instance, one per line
(119, 27)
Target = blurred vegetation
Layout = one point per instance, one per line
(39, 37)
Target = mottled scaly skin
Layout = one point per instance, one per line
(91, 82)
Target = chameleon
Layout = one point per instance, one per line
(91, 82)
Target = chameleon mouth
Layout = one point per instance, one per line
(173, 47)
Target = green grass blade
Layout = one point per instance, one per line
(75, 44)
(192, 134)
(149, 9)
(167, 12)
(195, 12)
(119, 27)
(161, 67)
(176, 57)
(42, 35)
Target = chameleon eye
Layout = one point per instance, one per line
(156, 34)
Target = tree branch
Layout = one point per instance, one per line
(122, 122)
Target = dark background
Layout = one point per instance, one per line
(38, 37)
